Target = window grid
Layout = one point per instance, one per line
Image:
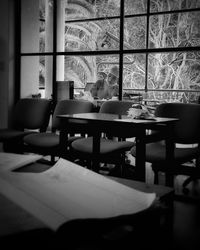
(121, 52)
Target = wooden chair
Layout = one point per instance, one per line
(186, 135)
(47, 143)
(30, 115)
(112, 150)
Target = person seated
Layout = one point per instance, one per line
(99, 89)
(113, 82)
(109, 89)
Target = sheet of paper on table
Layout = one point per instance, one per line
(68, 191)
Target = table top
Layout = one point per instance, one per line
(104, 117)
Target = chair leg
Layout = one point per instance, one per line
(187, 181)
(52, 159)
(155, 177)
(154, 169)
(169, 180)
(193, 177)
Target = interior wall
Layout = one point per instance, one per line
(30, 27)
(6, 60)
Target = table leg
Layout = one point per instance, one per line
(96, 151)
(170, 146)
(63, 137)
(140, 156)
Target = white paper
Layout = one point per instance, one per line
(68, 191)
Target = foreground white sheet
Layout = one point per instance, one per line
(68, 191)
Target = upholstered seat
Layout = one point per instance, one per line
(8, 134)
(107, 146)
(186, 135)
(48, 143)
(45, 142)
(155, 153)
(112, 150)
(30, 115)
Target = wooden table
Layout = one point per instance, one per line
(116, 125)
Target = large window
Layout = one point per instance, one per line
(143, 49)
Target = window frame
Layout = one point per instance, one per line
(121, 52)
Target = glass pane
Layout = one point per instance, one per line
(135, 33)
(175, 30)
(133, 75)
(154, 98)
(36, 76)
(36, 26)
(90, 36)
(78, 10)
(85, 71)
(175, 71)
(135, 7)
(169, 5)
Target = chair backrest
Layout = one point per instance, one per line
(187, 129)
(31, 113)
(70, 106)
(116, 107)
(119, 108)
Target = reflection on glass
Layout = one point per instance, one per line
(135, 33)
(174, 71)
(101, 71)
(175, 30)
(78, 10)
(134, 71)
(83, 69)
(169, 5)
(156, 97)
(135, 7)
(93, 35)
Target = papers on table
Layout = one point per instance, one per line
(11, 161)
(68, 191)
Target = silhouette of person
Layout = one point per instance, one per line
(113, 82)
(103, 89)
(99, 89)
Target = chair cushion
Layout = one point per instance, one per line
(85, 146)
(42, 140)
(8, 134)
(45, 140)
(155, 153)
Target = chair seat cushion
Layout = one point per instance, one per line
(8, 134)
(85, 146)
(155, 153)
(45, 140)
(42, 140)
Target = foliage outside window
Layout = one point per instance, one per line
(160, 55)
